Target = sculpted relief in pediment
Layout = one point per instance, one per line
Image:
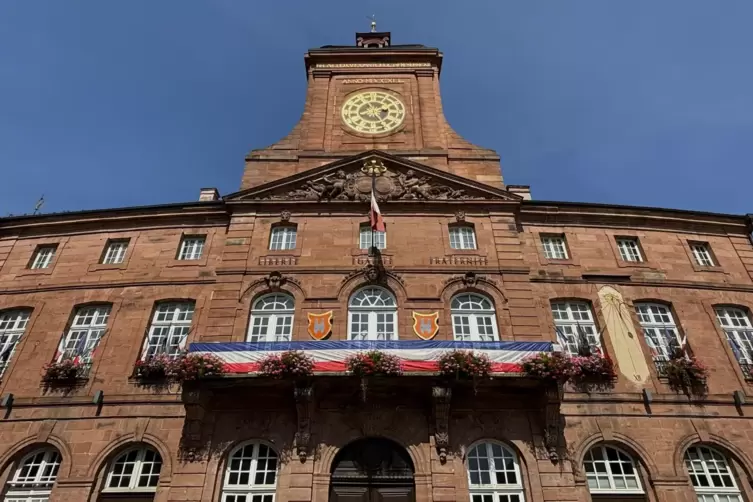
(389, 184)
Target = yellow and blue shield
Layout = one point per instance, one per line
(426, 326)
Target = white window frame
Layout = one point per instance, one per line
(37, 487)
(169, 329)
(364, 237)
(496, 490)
(272, 316)
(283, 237)
(370, 315)
(570, 318)
(659, 330)
(699, 467)
(470, 311)
(43, 256)
(115, 251)
(630, 249)
(230, 491)
(13, 324)
(192, 247)
(702, 254)
(87, 328)
(462, 237)
(613, 469)
(555, 247)
(737, 327)
(139, 464)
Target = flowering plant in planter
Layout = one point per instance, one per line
(549, 366)
(65, 370)
(593, 371)
(686, 374)
(464, 364)
(156, 367)
(291, 364)
(196, 366)
(373, 363)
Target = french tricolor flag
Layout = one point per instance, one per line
(375, 215)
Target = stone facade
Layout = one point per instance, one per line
(436, 181)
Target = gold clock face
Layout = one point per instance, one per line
(373, 112)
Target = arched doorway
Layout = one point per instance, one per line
(372, 470)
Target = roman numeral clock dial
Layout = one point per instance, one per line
(373, 112)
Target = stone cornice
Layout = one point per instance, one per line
(99, 284)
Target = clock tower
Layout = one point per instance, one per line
(373, 95)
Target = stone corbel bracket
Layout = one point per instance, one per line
(304, 400)
(196, 402)
(441, 397)
(552, 420)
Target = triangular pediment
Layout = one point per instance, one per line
(395, 179)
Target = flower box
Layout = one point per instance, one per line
(67, 370)
(552, 366)
(158, 367)
(686, 375)
(374, 363)
(462, 364)
(292, 365)
(196, 367)
(594, 371)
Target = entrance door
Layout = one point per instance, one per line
(372, 470)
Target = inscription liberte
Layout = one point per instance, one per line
(373, 65)
(372, 81)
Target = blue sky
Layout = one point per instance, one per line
(642, 102)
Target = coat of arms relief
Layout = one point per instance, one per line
(391, 184)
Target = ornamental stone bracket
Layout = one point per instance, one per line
(196, 401)
(553, 421)
(441, 397)
(304, 401)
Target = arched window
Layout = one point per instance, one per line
(272, 319)
(473, 318)
(739, 332)
(609, 470)
(135, 470)
(494, 474)
(660, 332)
(251, 474)
(170, 326)
(372, 315)
(87, 328)
(34, 476)
(711, 476)
(12, 326)
(574, 323)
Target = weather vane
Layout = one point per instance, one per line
(373, 22)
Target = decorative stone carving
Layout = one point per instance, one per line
(356, 186)
(470, 280)
(303, 407)
(441, 404)
(552, 421)
(274, 281)
(459, 215)
(285, 216)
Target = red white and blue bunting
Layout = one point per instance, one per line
(329, 355)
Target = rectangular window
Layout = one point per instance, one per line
(43, 256)
(82, 338)
(12, 326)
(191, 247)
(629, 249)
(462, 237)
(170, 326)
(554, 247)
(739, 332)
(576, 330)
(660, 333)
(115, 251)
(283, 237)
(380, 238)
(702, 254)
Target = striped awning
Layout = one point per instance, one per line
(330, 356)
